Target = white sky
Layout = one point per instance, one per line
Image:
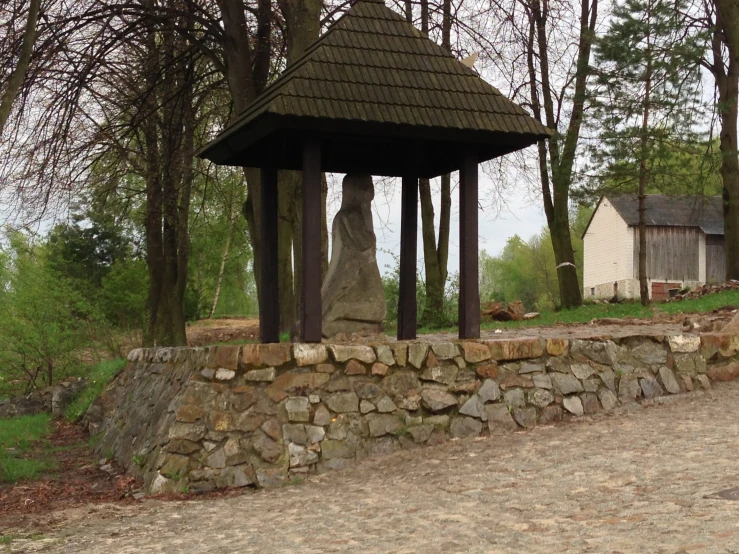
(523, 215)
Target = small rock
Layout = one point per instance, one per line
(590, 403)
(437, 400)
(160, 484)
(315, 433)
(384, 355)
(266, 375)
(684, 343)
(343, 402)
(417, 353)
(295, 432)
(489, 391)
(314, 399)
(355, 368)
(465, 427)
(379, 368)
(591, 385)
(541, 397)
(208, 373)
(499, 418)
(411, 403)
(650, 387)
(365, 406)
(688, 382)
(445, 375)
(704, 381)
(668, 380)
(514, 398)
(383, 424)
(525, 417)
(385, 405)
(474, 407)
(628, 389)
(527, 367)
(368, 391)
(421, 433)
(488, 371)
(607, 399)
(225, 374)
(573, 404)
(445, 350)
(609, 380)
(542, 381)
(566, 384)
(582, 371)
(322, 416)
(550, 414)
(298, 408)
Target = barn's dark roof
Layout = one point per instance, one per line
(370, 74)
(672, 211)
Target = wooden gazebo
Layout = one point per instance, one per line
(373, 95)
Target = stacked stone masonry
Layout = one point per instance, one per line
(231, 416)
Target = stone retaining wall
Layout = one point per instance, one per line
(203, 418)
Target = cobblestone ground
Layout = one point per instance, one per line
(637, 481)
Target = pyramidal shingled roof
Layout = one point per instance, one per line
(373, 66)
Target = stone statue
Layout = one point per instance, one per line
(352, 294)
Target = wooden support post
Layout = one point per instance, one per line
(269, 304)
(310, 299)
(469, 284)
(407, 309)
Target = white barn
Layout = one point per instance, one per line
(685, 245)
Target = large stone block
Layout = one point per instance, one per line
(417, 354)
(437, 399)
(474, 352)
(684, 343)
(226, 356)
(309, 354)
(344, 353)
(515, 349)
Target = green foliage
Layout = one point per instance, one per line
(646, 101)
(216, 221)
(527, 271)
(123, 294)
(44, 320)
(100, 375)
(391, 286)
(17, 435)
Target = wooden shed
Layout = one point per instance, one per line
(685, 245)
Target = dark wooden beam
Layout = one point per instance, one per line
(310, 304)
(269, 304)
(469, 287)
(407, 309)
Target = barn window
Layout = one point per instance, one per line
(592, 291)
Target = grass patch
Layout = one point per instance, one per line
(588, 312)
(16, 437)
(100, 375)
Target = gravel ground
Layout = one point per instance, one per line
(641, 481)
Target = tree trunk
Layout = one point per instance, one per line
(561, 148)
(222, 267)
(435, 254)
(19, 72)
(643, 285)
(727, 81)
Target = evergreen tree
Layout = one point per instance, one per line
(647, 95)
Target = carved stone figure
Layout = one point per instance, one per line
(352, 294)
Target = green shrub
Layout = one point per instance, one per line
(100, 376)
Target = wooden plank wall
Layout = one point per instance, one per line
(672, 253)
(715, 259)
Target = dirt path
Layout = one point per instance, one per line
(634, 482)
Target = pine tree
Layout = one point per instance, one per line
(647, 95)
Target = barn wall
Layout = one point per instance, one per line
(715, 259)
(672, 253)
(608, 247)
